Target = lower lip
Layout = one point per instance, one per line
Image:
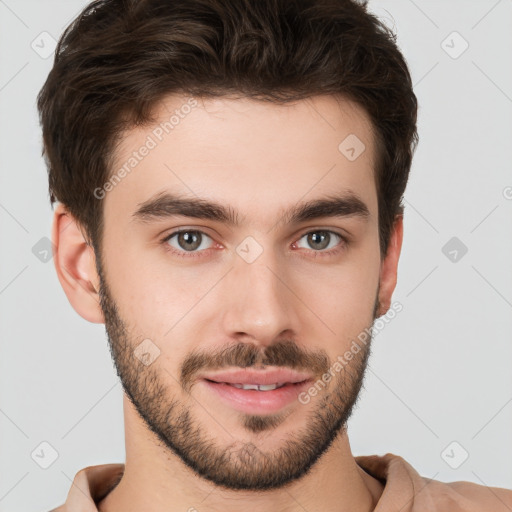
(252, 401)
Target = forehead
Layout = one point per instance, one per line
(256, 156)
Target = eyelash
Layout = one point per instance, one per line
(184, 254)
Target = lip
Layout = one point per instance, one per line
(256, 402)
(252, 401)
(276, 376)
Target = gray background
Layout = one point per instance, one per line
(439, 384)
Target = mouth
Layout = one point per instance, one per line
(261, 378)
(258, 387)
(257, 392)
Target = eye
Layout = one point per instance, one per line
(186, 240)
(320, 240)
(191, 242)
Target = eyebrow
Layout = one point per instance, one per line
(165, 205)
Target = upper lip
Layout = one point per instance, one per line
(279, 376)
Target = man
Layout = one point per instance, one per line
(229, 178)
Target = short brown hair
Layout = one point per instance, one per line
(120, 57)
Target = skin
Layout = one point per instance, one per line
(260, 159)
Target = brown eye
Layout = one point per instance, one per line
(320, 240)
(187, 240)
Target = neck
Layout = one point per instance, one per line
(156, 480)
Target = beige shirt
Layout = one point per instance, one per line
(404, 489)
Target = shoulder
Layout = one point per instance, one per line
(91, 483)
(421, 493)
(460, 496)
(496, 499)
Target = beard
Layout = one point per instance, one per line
(240, 465)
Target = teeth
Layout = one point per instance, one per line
(258, 387)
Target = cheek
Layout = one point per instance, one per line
(344, 296)
(154, 303)
(157, 299)
(142, 293)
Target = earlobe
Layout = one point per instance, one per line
(75, 264)
(389, 267)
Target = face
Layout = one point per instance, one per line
(243, 238)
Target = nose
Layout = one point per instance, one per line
(260, 303)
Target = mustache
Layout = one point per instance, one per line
(283, 354)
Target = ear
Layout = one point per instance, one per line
(75, 263)
(389, 266)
